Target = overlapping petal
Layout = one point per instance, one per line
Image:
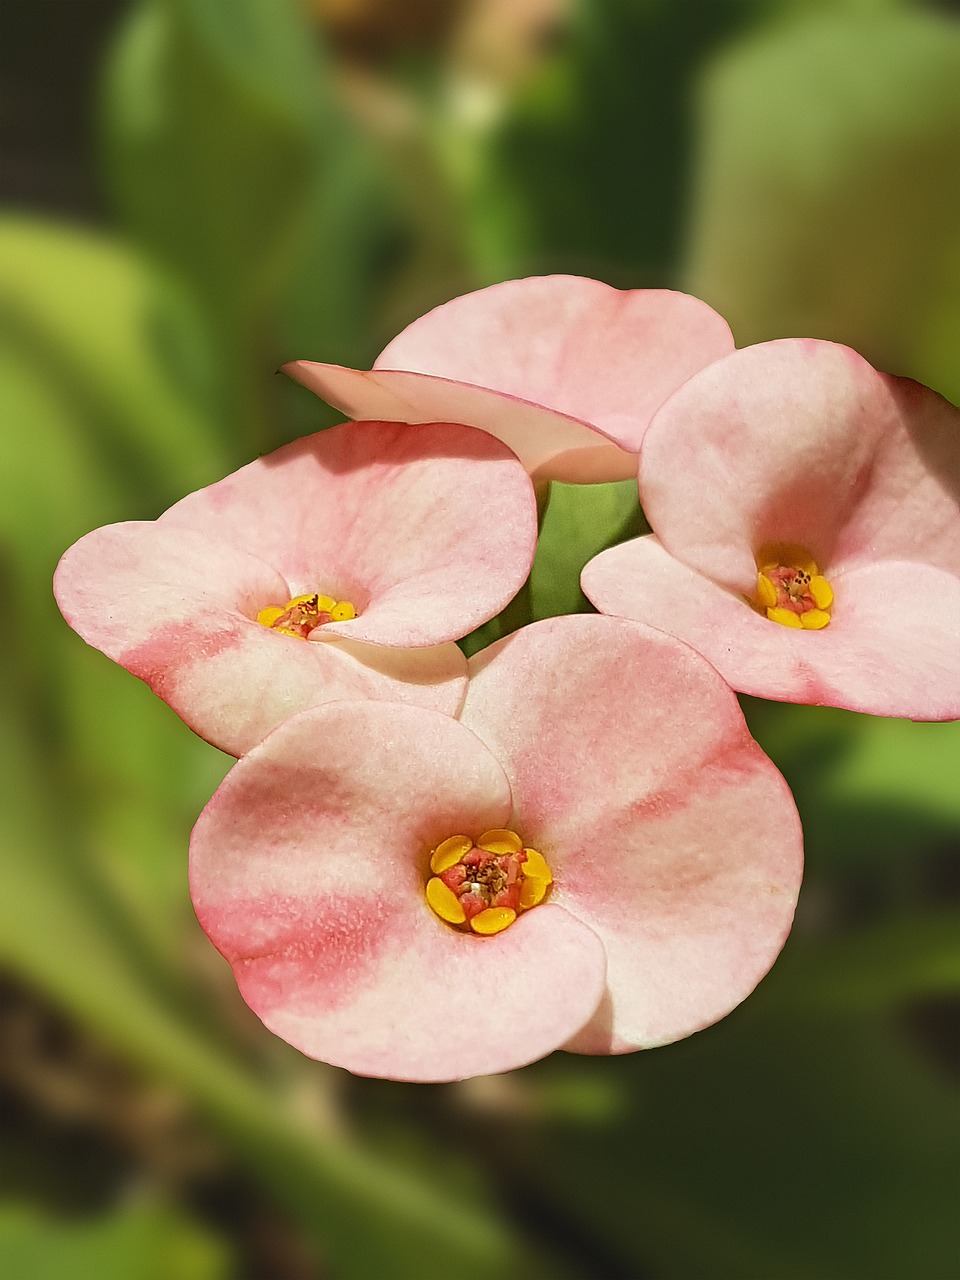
(891, 647)
(799, 448)
(428, 530)
(669, 832)
(568, 371)
(801, 441)
(307, 871)
(615, 751)
(178, 609)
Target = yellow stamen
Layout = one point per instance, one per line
(449, 853)
(821, 591)
(536, 867)
(269, 615)
(786, 617)
(814, 619)
(533, 890)
(493, 920)
(500, 841)
(342, 611)
(766, 591)
(445, 902)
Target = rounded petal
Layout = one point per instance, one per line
(775, 443)
(428, 530)
(577, 347)
(890, 649)
(307, 871)
(178, 610)
(669, 832)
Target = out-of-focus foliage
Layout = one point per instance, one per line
(290, 179)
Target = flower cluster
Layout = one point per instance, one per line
(426, 867)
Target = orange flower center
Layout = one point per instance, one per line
(790, 588)
(482, 887)
(299, 616)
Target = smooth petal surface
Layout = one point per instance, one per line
(428, 530)
(668, 830)
(892, 647)
(178, 609)
(307, 871)
(779, 442)
(534, 361)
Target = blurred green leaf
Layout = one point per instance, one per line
(826, 203)
(147, 1242)
(580, 520)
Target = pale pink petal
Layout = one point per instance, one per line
(428, 530)
(892, 647)
(774, 443)
(578, 347)
(549, 445)
(669, 832)
(178, 609)
(911, 508)
(307, 871)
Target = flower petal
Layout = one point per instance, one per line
(776, 443)
(578, 347)
(428, 530)
(668, 830)
(307, 871)
(178, 609)
(890, 648)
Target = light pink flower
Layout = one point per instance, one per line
(797, 458)
(614, 753)
(423, 533)
(567, 371)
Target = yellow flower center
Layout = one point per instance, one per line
(299, 616)
(790, 588)
(481, 887)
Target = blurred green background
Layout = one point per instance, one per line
(197, 190)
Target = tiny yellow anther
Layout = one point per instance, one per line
(814, 620)
(536, 867)
(445, 902)
(449, 852)
(766, 591)
(269, 615)
(786, 617)
(500, 841)
(341, 611)
(822, 593)
(493, 920)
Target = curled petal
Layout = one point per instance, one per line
(307, 871)
(428, 530)
(890, 649)
(535, 361)
(178, 609)
(670, 833)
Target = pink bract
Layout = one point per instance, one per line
(802, 442)
(615, 751)
(567, 371)
(429, 531)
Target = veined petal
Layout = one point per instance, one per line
(890, 649)
(178, 609)
(307, 871)
(584, 351)
(642, 790)
(428, 530)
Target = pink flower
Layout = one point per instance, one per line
(337, 567)
(567, 371)
(806, 536)
(617, 861)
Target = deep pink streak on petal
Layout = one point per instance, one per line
(159, 659)
(322, 949)
(336, 812)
